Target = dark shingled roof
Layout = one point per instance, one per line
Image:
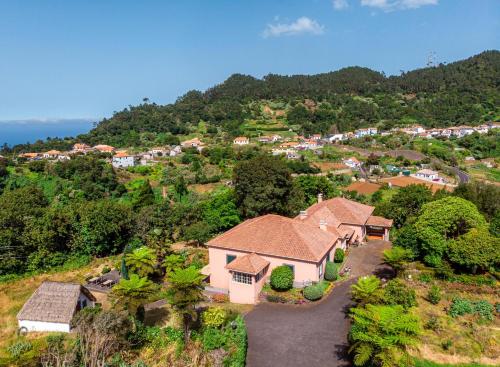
(53, 302)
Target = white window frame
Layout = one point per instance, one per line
(242, 278)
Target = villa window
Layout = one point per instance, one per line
(320, 270)
(229, 258)
(242, 278)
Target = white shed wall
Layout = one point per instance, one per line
(44, 326)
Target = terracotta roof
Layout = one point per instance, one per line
(279, 236)
(338, 211)
(29, 155)
(366, 188)
(121, 154)
(250, 264)
(80, 146)
(53, 302)
(104, 148)
(403, 181)
(53, 152)
(379, 221)
(345, 231)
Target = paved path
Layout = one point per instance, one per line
(312, 335)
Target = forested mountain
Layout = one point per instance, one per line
(463, 92)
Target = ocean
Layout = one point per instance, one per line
(29, 131)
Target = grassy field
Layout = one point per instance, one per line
(421, 363)
(464, 339)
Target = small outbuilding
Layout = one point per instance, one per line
(53, 305)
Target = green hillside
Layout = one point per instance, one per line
(463, 92)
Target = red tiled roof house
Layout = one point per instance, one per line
(242, 258)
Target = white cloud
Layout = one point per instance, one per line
(340, 4)
(302, 25)
(391, 5)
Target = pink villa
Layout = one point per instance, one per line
(241, 259)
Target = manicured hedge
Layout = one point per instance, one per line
(313, 292)
(331, 271)
(282, 278)
(339, 255)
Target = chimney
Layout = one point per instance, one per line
(320, 197)
(322, 225)
(303, 214)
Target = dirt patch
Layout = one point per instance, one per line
(365, 188)
(204, 188)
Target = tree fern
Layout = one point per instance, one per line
(381, 333)
(367, 290)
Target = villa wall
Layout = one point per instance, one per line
(220, 277)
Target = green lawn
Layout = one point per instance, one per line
(421, 363)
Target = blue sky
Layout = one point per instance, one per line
(74, 59)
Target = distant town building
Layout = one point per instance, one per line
(336, 137)
(192, 143)
(427, 174)
(241, 140)
(365, 132)
(123, 160)
(352, 162)
(51, 154)
(81, 148)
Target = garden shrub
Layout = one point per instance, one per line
(282, 278)
(214, 317)
(447, 344)
(313, 292)
(19, 347)
(212, 338)
(473, 279)
(331, 271)
(444, 271)
(460, 306)
(433, 324)
(434, 295)
(425, 277)
(397, 293)
(275, 299)
(105, 270)
(339, 255)
(236, 339)
(484, 309)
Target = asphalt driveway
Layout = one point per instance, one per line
(312, 335)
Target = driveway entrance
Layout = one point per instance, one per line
(312, 335)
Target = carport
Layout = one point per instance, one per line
(377, 228)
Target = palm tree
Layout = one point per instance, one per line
(141, 261)
(367, 290)
(380, 335)
(185, 291)
(132, 293)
